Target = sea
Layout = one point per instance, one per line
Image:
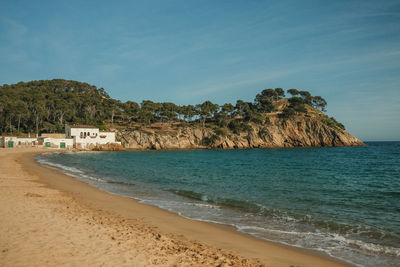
(342, 201)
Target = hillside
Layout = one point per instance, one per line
(312, 129)
(270, 121)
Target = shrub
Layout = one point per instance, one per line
(287, 113)
(102, 127)
(238, 127)
(298, 104)
(208, 141)
(332, 122)
(220, 132)
(262, 132)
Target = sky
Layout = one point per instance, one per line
(188, 52)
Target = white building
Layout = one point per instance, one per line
(88, 136)
(8, 141)
(26, 142)
(13, 141)
(50, 142)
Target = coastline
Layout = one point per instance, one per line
(127, 232)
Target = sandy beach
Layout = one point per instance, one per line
(48, 219)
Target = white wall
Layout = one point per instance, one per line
(101, 139)
(56, 142)
(6, 139)
(72, 131)
(26, 141)
(107, 137)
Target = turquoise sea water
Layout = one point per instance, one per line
(342, 201)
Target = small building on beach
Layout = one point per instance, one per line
(88, 136)
(13, 141)
(50, 142)
(8, 141)
(76, 136)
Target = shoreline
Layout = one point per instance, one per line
(236, 248)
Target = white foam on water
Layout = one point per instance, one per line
(69, 170)
(205, 206)
(367, 246)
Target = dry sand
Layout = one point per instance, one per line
(48, 219)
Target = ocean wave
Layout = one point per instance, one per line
(326, 231)
(190, 194)
(120, 182)
(246, 206)
(69, 170)
(370, 247)
(205, 206)
(335, 240)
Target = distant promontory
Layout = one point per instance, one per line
(276, 118)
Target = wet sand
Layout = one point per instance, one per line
(48, 218)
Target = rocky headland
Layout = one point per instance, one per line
(313, 129)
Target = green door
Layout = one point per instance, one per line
(10, 143)
(62, 145)
(47, 144)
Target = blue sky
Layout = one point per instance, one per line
(191, 51)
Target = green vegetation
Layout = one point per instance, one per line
(47, 105)
(331, 122)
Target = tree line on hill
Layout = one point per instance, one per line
(47, 105)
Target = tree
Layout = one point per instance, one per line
(224, 114)
(297, 104)
(131, 108)
(306, 96)
(319, 103)
(21, 112)
(145, 116)
(254, 116)
(10, 114)
(149, 105)
(61, 108)
(227, 108)
(189, 112)
(206, 110)
(222, 119)
(37, 113)
(37, 108)
(169, 111)
(280, 92)
(269, 94)
(152, 107)
(263, 101)
(240, 107)
(293, 92)
(263, 104)
(237, 127)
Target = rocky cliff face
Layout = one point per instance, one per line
(298, 131)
